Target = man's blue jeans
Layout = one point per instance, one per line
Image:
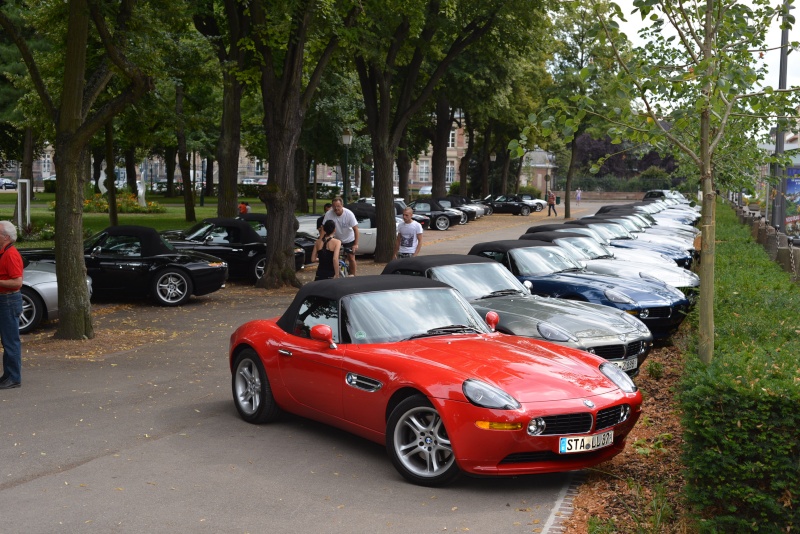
(10, 310)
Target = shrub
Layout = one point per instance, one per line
(126, 203)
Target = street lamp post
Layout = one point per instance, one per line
(779, 203)
(546, 185)
(347, 138)
(493, 158)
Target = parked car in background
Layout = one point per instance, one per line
(507, 204)
(232, 240)
(488, 286)
(39, 294)
(303, 240)
(406, 362)
(5, 183)
(367, 226)
(441, 218)
(399, 206)
(471, 213)
(481, 209)
(137, 260)
(552, 273)
(536, 203)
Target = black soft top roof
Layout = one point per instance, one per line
(550, 236)
(500, 246)
(545, 228)
(246, 232)
(336, 289)
(423, 263)
(534, 241)
(152, 243)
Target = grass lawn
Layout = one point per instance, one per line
(174, 218)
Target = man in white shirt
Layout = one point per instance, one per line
(409, 236)
(346, 230)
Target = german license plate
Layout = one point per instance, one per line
(627, 365)
(585, 443)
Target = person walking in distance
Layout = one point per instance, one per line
(326, 249)
(346, 230)
(551, 203)
(409, 236)
(578, 196)
(11, 272)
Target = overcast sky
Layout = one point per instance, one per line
(772, 58)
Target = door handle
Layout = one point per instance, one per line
(284, 352)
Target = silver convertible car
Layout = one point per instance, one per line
(40, 294)
(488, 286)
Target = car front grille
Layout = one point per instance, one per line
(608, 417)
(663, 312)
(574, 423)
(614, 352)
(547, 456)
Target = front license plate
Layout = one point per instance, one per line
(627, 365)
(585, 443)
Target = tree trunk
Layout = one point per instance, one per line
(504, 172)
(404, 168)
(26, 173)
(113, 218)
(366, 181)
(183, 158)
(441, 138)
(463, 164)
(170, 153)
(485, 189)
(573, 166)
(301, 179)
(279, 198)
(75, 318)
(130, 170)
(208, 177)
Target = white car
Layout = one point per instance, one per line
(367, 233)
(40, 295)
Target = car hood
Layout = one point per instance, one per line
(674, 276)
(642, 291)
(583, 320)
(529, 371)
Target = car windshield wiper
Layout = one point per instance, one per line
(572, 270)
(502, 293)
(444, 330)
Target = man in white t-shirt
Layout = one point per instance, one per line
(409, 236)
(346, 230)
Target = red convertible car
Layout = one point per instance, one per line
(405, 361)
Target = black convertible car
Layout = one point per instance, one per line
(507, 204)
(136, 260)
(233, 240)
(441, 218)
(303, 240)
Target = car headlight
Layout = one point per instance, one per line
(634, 322)
(618, 376)
(486, 396)
(552, 332)
(616, 296)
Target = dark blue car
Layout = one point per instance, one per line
(551, 273)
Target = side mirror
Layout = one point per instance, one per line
(208, 239)
(492, 319)
(528, 285)
(323, 332)
(95, 251)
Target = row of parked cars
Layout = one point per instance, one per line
(513, 359)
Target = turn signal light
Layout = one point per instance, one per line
(493, 425)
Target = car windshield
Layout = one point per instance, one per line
(196, 232)
(479, 280)
(535, 261)
(627, 224)
(588, 248)
(390, 316)
(587, 230)
(615, 231)
(446, 203)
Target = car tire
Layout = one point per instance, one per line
(488, 210)
(171, 287)
(257, 267)
(539, 207)
(464, 218)
(418, 445)
(32, 310)
(525, 211)
(441, 222)
(252, 393)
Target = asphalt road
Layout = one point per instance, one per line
(148, 439)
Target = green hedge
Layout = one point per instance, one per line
(741, 416)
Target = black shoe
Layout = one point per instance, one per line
(8, 384)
